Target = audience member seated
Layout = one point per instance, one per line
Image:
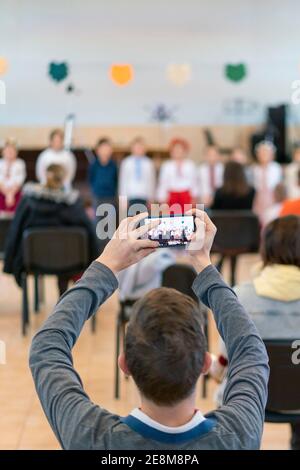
(235, 194)
(56, 154)
(164, 351)
(178, 177)
(292, 175)
(272, 299)
(267, 174)
(210, 175)
(46, 205)
(292, 206)
(239, 155)
(137, 175)
(12, 177)
(280, 194)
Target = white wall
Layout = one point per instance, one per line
(92, 34)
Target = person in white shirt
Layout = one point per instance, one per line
(178, 177)
(12, 177)
(137, 175)
(210, 175)
(291, 175)
(266, 175)
(57, 155)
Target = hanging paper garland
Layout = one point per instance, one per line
(235, 72)
(121, 74)
(178, 74)
(58, 71)
(3, 66)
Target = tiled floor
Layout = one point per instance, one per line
(22, 422)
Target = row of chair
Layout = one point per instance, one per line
(65, 250)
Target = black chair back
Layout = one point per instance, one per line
(284, 382)
(4, 227)
(181, 278)
(55, 250)
(238, 232)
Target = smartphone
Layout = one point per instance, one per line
(174, 230)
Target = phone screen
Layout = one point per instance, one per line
(176, 230)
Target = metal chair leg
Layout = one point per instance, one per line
(41, 289)
(117, 372)
(36, 293)
(204, 386)
(205, 377)
(25, 306)
(123, 332)
(220, 263)
(233, 264)
(94, 323)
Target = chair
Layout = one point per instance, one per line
(284, 383)
(4, 227)
(51, 251)
(181, 278)
(238, 233)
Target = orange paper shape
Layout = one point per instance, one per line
(3, 65)
(121, 74)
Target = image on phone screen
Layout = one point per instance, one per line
(174, 230)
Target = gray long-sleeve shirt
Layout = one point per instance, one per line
(80, 424)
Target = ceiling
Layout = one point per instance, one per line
(119, 23)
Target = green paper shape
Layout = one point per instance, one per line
(58, 71)
(235, 72)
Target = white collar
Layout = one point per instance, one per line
(195, 421)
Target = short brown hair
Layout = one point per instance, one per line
(281, 241)
(165, 345)
(55, 176)
(102, 141)
(55, 132)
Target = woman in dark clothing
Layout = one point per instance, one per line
(235, 194)
(48, 205)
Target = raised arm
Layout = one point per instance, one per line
(66, 405)
(245, 395)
